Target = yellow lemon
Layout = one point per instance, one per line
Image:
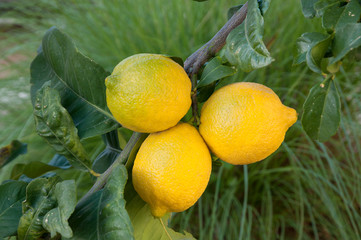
(148, 93)
(172, 169)
(244, 122)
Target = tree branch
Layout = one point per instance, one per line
(102, 179)
(194, 62)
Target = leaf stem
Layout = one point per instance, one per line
(102, 179)
(196, 120)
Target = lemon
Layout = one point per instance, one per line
(148, 93)
(172, 169)
(244, 122)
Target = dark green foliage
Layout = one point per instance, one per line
(79, 80)
(214, 71)
(109, 154)
(12, 194)
(102, 215)
(322, 114)
(323, 53)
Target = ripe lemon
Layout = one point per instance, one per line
(244, 122)
(148, 93)
(172, 169)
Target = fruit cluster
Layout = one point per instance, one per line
(240, 123)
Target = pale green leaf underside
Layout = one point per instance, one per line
(308, 8)
(56, 220)
(37, 203)
(47, 201)
(56, 126)
(244, 46)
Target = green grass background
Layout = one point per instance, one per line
(306, 190)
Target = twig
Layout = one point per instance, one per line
(195, 61)
(196, 120)
(102, 179)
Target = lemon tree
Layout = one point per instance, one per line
(163, 125)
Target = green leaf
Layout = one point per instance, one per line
(56, 220)
(346, 39)
(337, 16)
(233, 10)
(55, 125)
(47, 207)
(11, 151)
(109, 154)
(124, 135)
(305, 43)
(263, 5)
(244, 46)
(308, 8)
(79, 80)
(321, 6)
(11, 195)
(321, 111)
(73, 69)
(147, 227)
(205, 92)
(214, 71)
(59, 161)
(317, 52)
(102, 215)
(32, 169)
(312, 48)
(331, 17)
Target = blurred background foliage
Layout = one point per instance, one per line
(306, 190)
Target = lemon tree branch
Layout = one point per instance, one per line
(196, 120)
(195, 61)
(102, 179)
